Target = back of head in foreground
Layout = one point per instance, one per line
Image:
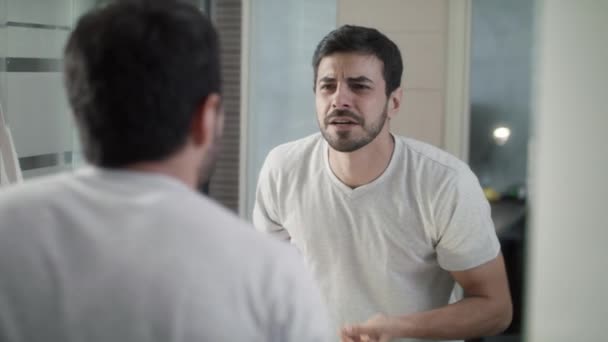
(143, 81)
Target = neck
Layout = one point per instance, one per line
(176, 167)
(364, 165)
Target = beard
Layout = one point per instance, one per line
(349, 141)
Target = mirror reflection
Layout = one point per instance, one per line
(404, 151)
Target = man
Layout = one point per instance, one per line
(387, 224)
(126, 250)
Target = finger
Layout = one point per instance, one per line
(359, 330)
(344, 337)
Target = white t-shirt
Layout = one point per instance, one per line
(103, 255)
(386, 246)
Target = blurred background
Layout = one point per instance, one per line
(515, 88)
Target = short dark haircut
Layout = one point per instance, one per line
(135, 73)
(366, 41)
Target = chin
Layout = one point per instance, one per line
(346, 145)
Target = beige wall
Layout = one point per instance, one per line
(419, 28)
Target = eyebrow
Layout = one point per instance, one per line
(326, 79)
(359, 79)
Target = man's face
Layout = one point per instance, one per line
(351, 102)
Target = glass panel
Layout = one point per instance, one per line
(501, 62)
(500, 92)
(283, 36)
(32, 37)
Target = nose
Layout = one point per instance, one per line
(342, 98)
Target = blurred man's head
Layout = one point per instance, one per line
(143, 81)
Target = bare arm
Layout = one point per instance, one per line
(485, 310)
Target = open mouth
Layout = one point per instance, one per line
(343, 122)
(343, 118)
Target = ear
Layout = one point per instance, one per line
(394, 102)
(208, 121)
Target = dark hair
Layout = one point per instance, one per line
(135, 72)
(363, 40)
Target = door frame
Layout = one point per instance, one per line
(457, 102)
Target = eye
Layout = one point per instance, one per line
(327, 86)
(359, 86)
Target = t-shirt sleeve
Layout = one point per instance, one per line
(466, 236)
(265, 211)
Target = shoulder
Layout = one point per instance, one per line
(295, 153)
(32, 192)
(434, 164)
(437, 174)
(426, 155)
(271, 267)
(209, 220)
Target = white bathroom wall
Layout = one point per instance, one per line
(567, 297)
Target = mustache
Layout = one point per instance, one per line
(343, 113)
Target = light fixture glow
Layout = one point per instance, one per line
(501, 135)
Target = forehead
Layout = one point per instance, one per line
(342, 65)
